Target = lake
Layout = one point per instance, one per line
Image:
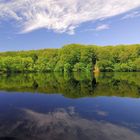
(70, 106)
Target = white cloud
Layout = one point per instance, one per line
(102, 27)
(61, 15)
(98, 28)
(132, 15)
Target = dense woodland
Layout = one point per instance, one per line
(74, 57)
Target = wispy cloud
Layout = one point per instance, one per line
(132, 15)
(61, 15)
(102, 27)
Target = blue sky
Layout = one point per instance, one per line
(40, 25)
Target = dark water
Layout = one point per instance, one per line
(58, 106)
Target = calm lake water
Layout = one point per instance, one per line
(58, 106)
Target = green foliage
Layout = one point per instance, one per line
(79, 67)
(122, 58)
(74, 57)
(105, 65)
(67, 67)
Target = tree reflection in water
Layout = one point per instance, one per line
(75, 85)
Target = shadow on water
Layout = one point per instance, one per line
(74, 85)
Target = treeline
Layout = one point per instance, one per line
(74, 57)
(122, 58)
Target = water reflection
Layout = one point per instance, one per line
(62, 124)
(75, 85)
(28, 116)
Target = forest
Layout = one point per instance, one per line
(73, 58)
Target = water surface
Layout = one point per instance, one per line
(74, 106)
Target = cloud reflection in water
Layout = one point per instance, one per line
(62, 124)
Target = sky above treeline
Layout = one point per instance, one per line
(37, 24)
